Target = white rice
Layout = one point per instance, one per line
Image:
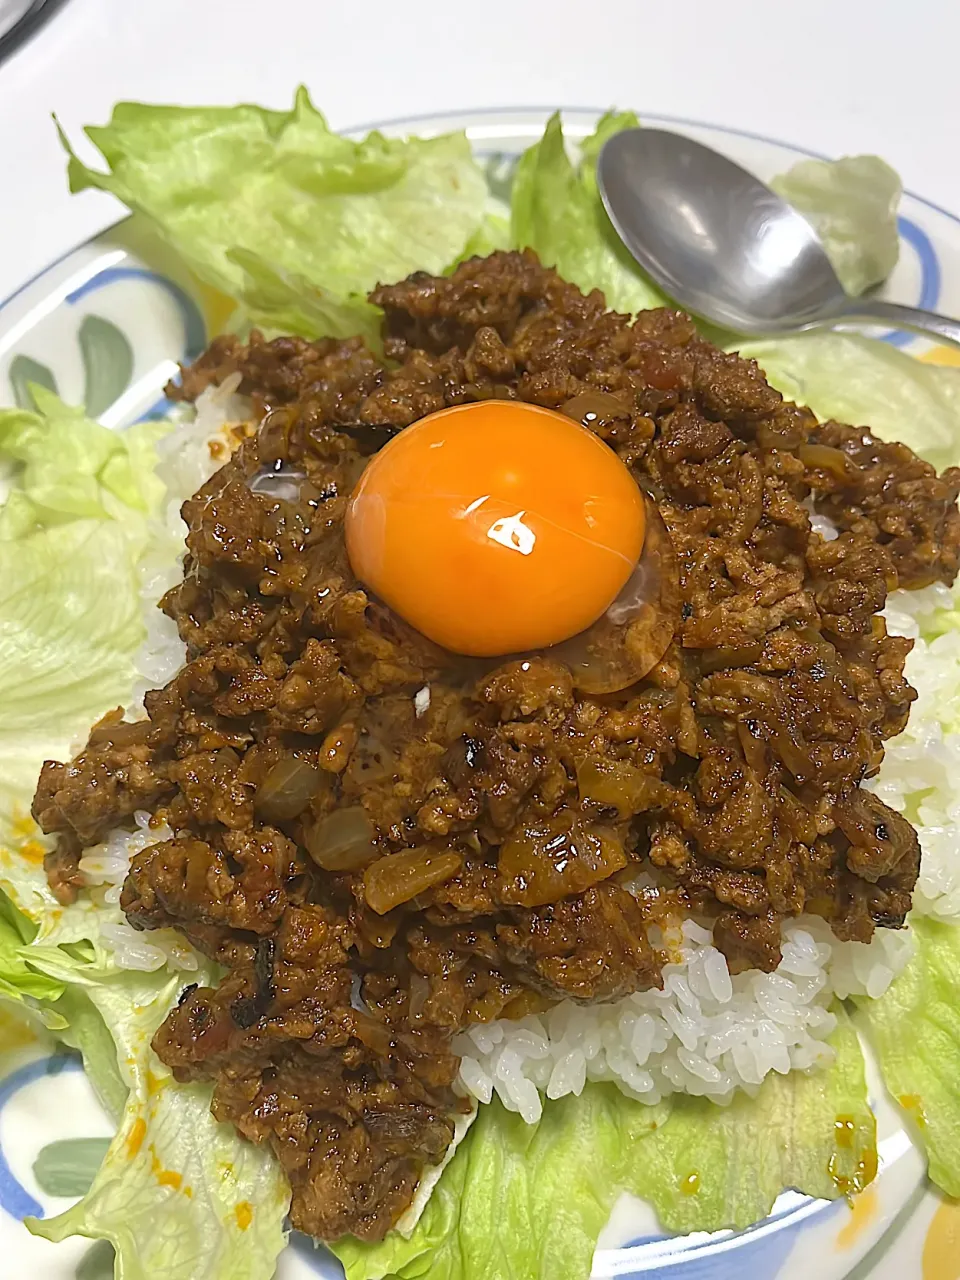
(921, 767)
(707, 1032)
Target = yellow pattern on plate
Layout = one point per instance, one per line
(863, 1210)
(15, 1031)
(942, 355)
(941, 1250)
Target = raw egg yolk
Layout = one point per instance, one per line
(495, 527)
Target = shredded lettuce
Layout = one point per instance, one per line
(915, 1030)
(232, 186)
(527, 1202)
(852, 204)
(556, 210)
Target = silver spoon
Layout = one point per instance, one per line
(726, 247)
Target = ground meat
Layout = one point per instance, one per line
(107, 782)
(887, 493)
(62, 868)
(748, 942)
(425, 866)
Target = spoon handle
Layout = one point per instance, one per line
(901, 317)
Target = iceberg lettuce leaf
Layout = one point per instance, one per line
(71, 531)
(711, 1167)
(556, 210)
(19, 983)
(308, 203)
(517, 1201)
(915, 1030)
(178, 1195)
(287, 303)
(852, 204)
(492, 235)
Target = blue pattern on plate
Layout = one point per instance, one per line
(922, 245)
(195, 330)
(757, 1253)
(116, 372)
(15, 1199)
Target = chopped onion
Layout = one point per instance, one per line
(419, 991)
(401, 876)
(286, 790)
(824, 457)
(342, 841)
(553, 858)
(617, 784)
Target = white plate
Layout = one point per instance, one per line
(106, 325)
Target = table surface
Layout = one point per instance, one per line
(858, 76)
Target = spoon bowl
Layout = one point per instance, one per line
(722, 244)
